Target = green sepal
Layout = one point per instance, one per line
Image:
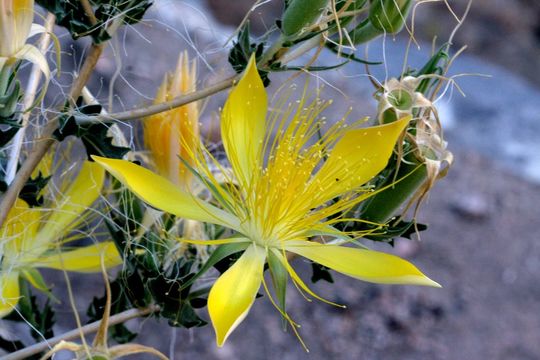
(33, 276)
(279, 277)
(381, 207)
(219, 254)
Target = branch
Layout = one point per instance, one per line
(75, 333)
(46, 140)
(158, 108)
(197, 95)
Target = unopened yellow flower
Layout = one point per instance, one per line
(16, 18)
(30, 238)
(285, 191)
(175, 133)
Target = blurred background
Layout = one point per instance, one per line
(483, 242)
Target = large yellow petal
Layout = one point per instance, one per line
(84, 259)
(18, 233)
(243, 124)
(77, 198)
(164, 195)
(367, 265)
(9, 292)
(356, 158)
(234, 292)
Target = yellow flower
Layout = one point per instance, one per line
(175, 133)
(16, 27)
(30, 238)
(281, 196)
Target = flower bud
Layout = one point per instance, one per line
(364, 32)
(389, 15)
(301, 13)
(16, 18)
(353, 6)
(174, 134)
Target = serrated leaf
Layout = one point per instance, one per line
(31, 191)
(13, 345)
(94, 136)
(241, 53)
(71, 15)
(97, 142)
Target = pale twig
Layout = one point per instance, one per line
(165, 106)
(29, 97)
(86, 329)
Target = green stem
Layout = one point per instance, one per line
(386, 203)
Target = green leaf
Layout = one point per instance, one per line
(94, 135)
(31, 191)
(71, 15)
(97, 142)
(309, 68)
(435, 65)
(33, 276)
(351, 56)
(13, 345)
